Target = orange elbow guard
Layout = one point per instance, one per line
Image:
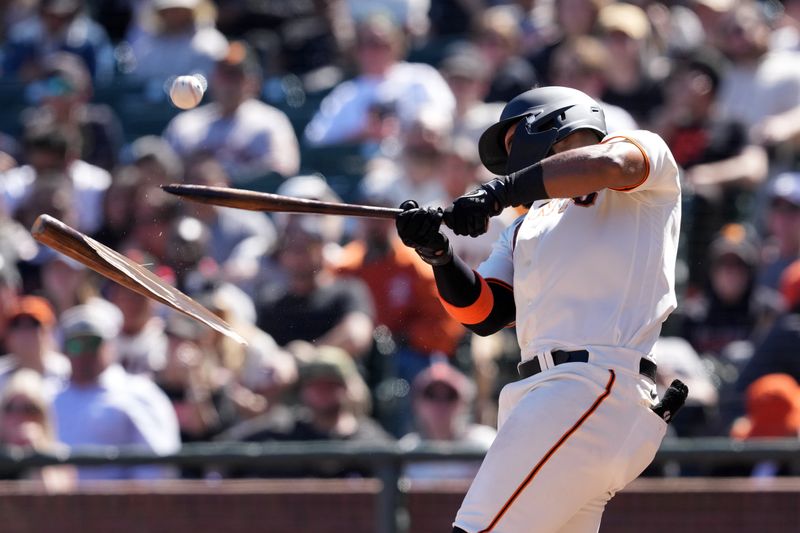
(477, 311)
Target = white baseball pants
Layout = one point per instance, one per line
(568, 439)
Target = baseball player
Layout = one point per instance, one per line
(587, 275)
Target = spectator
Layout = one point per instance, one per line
(759, 86)
(65, 282)
(468, 76)
(722, 167)
(61, 25)
(498, 38)
(729, 309)
(385, 86)
(582, 63)
(61, 96)
(154, 214)
(773, 411)
(783, 228)
(31, 345)
(442, 399)
(192, 382)
(256, 375)
(248, 137)
(118, 209)
(233, 232)
(313, 304)
(156, 160)
(779, 351)
(104, 405)
(191, 48)
(398, 279)
(26, 422)
(572, 18)
(632, 79)
(53, 155)
(140, 343)
(334, 406)
(306, 38)
(10, 285)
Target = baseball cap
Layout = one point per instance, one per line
(790, 285)
(61, 7)
(786, 186)
(168, 4)
(36, 308)
(734, 239)
(773, 407)
(240, 57)
(442, 373)
(465, 62)
(89, 320)
(626, 18)
(329, 362)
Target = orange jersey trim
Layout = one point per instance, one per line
(552, 451)
(646, 173)
(476, 312)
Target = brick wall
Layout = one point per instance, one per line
(195, 507)
(333, 506)
(655, 506)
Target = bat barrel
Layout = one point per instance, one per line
(261, 201)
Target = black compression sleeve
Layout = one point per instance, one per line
(457, 283)
(519, 188)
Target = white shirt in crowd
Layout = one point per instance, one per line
(192, 52)
(89, 187)
(119, 410)
(56, 374)
(748, 94)
(407, 87)
(256, 140)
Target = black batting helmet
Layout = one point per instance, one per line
(550, 113)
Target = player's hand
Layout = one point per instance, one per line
(469, 214)
(418, 228)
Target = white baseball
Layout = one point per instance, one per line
(186, 91)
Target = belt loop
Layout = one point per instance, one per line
(546, 360)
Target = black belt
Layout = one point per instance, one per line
(527, 369)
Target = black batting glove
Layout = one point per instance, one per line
(419, 229)
(469, 214)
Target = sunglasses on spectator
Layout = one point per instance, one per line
(24, 322)
(82, 345)
(440, 394)
(50, 87)
(21, 408)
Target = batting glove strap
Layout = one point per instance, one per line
(436, 255)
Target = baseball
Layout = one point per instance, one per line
(186, 91)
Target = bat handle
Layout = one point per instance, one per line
(446, 217)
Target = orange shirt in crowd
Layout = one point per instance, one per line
(406, 300)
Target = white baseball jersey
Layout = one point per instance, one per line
(598, 271)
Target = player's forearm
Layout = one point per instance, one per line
(590, 169)
(481, 306)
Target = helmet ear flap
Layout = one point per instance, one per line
(528, 148)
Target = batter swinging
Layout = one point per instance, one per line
(588, 276)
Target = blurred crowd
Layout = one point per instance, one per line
(375, 102)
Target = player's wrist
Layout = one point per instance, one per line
(437, 256)
(525, 186)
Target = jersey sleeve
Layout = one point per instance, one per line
(500, 263)
(661, 176)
